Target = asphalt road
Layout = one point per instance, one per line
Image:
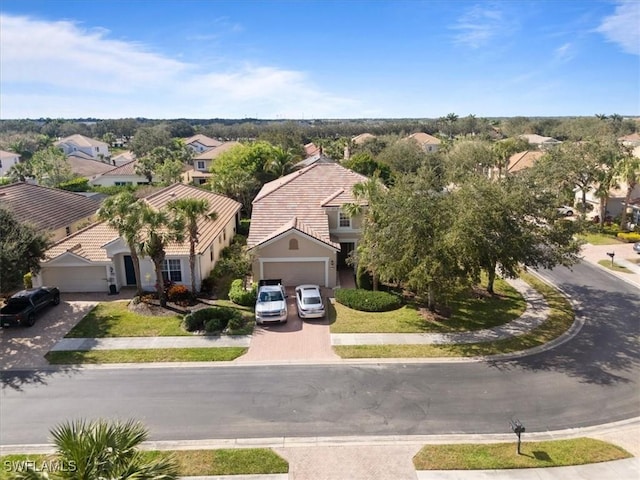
(592, 379)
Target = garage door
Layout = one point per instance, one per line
(295, 273)
(76, 279)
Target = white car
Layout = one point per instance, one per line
(565, 211)
(271, 304)
(309, 301)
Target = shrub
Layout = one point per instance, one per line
(236, 322)
(213, 319)
(178, 293)
(629, 237)
(240, 296)
(363, 278)
(192, 323)
(78, 184)
(367, 301)
(27, 280)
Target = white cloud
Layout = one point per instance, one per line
(623, 26)
(60, 69)
(564, 52)
(478, 25)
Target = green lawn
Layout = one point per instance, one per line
(114, 319)
(200, 354)
(467, 314)
(615, 267)
(560, 319)
(599, 239)
(248, 461)
(493, 456)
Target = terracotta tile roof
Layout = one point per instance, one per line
(311, 149)
(128, 168)
(295, 224)
(362, 138)
(88, 243)
(124, 156)
(318, 157)
(521, 160)
(4, 155)
(214, 153)
(424, 138)
(536, 139)
(87, 167)
(301, 194)
(203, 140)
(47, 208)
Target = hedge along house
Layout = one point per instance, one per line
(298, 232)
(95, 258)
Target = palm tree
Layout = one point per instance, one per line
(281, 163)
(191, 210)
(601, 116)
(160, 230)
(99, 449)
(124, 213)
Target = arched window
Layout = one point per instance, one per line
(293, 244)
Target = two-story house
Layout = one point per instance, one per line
(428, 143)
(299, 232)
(199, 174)
(94, 149)
(7, 160)
(201, 143)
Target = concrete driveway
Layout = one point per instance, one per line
(22, 347)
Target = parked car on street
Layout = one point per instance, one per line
(636, 247)
(271, 302)
(565, 211)
(21, 308)
(309, 301)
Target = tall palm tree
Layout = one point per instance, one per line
(124, 213)
(192, 210)
(159, 230)
(281, 162)
(99, 449)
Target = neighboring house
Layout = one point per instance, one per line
(96, 257)
(201, 143)
(122, 175)
(200, 172)
(7, 160)
(615, 202)
(362, 138)
(518, 162)
(540, 141)
(122, 158)
(52, 211)
(95, 149)
(632, 140)
(87, 168)
(318, 157)
(311, 149)
(298, 232)
(428, 143)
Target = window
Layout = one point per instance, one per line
(211, 253)
(200, 165)
(172, 270)
(293, 244)
(67, 231)
(344, 220)
(224, 234)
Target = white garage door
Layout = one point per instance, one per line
(295, 273)
(76, 279)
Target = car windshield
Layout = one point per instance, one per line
(270, 296)
(312, 301)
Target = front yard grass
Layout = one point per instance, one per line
(615, 267)
(114, 319)
(561, 317)
(599, 239)
(557, 453)
(201, 354)
(468, 313)
(245, 461)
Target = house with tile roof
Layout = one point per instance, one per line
(7, 160)
(362, 138)
(428, 143)
(201, 143)
(79, 143)
(55, 212)
(199, 174)
(298, 232)
(540, 141)
(96, 257)
(123, 175)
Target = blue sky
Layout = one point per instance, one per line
(318, 59)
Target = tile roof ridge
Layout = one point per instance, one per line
(283, 181)
(331, 197)
(54, 189)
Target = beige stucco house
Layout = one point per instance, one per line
(94, 149)
(56, 213)
(428, 143)
(200, 173)
(96, 257)
(298, 232)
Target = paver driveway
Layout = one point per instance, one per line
(22, 347)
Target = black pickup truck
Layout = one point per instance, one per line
(21, 308)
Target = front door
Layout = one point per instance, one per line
(129, 272)
(343, 254)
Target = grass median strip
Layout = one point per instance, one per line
(220, 354)
(615, 267)
(557, 453)
(246, 461)
(561, 317)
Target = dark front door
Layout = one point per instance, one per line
(129, 272)
(343, 254)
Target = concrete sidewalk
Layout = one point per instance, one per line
(623, 253)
